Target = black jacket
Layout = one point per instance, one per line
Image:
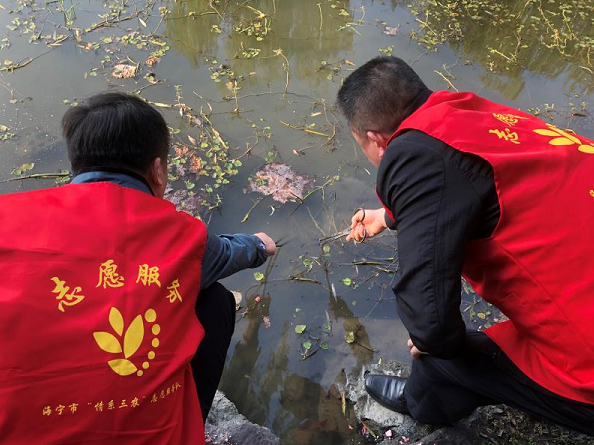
(441, 198)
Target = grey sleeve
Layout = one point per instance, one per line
(226, 254)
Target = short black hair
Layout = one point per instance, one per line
(377, 95)
(115, 129)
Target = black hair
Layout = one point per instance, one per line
(377, 95)
(115, 130)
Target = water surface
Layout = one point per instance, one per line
(264, 72)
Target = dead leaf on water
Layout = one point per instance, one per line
(237, 296)
(282, 183)
(349, 337)
(152, 60)
(124, 71)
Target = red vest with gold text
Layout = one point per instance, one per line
(97, 293)
(537, 265)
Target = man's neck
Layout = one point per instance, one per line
(418, 101)
(124, 178)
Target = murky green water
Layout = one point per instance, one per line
(279, 66)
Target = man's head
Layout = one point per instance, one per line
(375, 99)
(117, 130)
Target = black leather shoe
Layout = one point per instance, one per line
(388, 391)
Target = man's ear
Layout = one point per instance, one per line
(379, 139)
(157, 176)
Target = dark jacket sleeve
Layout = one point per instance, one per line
(436, 211)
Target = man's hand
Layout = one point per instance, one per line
(414, 351)
(268, 243)
(374, 223)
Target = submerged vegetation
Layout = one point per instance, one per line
(539, 36)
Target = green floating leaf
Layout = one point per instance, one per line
(300, 328)
(347, 281)
(306, 345)
(324, 345)
(23, 169)
(258, 276)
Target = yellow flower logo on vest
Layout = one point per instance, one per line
(128, 342)
(564, 138)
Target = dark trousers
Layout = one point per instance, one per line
(444, 391)
(215, 308)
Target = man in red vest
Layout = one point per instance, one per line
(479, 189)
(108, 293)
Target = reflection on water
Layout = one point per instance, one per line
(305, 30)
(317, 43)
(516, 37)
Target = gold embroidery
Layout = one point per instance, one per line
(506, 134)
(173, 292)
(561, 137)
(132, 339)
(108, 277)
(508, 119)
(66, 297)
(148, 275)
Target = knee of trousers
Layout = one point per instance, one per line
(218, 294)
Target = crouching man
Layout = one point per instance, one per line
(107, 293)
(479, 189)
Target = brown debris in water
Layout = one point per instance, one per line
(124, 71)
(280, 182)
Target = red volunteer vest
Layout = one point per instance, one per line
(97, 292)
(537, 265)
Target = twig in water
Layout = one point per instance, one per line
(286, 66)
(247, 215)
(447, 80)
(38, 176)
(24, 63)
(307, 280)
(315, 222)
(306, 356)
(369, 429)
(321, 19)
(107, 23)
(307, 130)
